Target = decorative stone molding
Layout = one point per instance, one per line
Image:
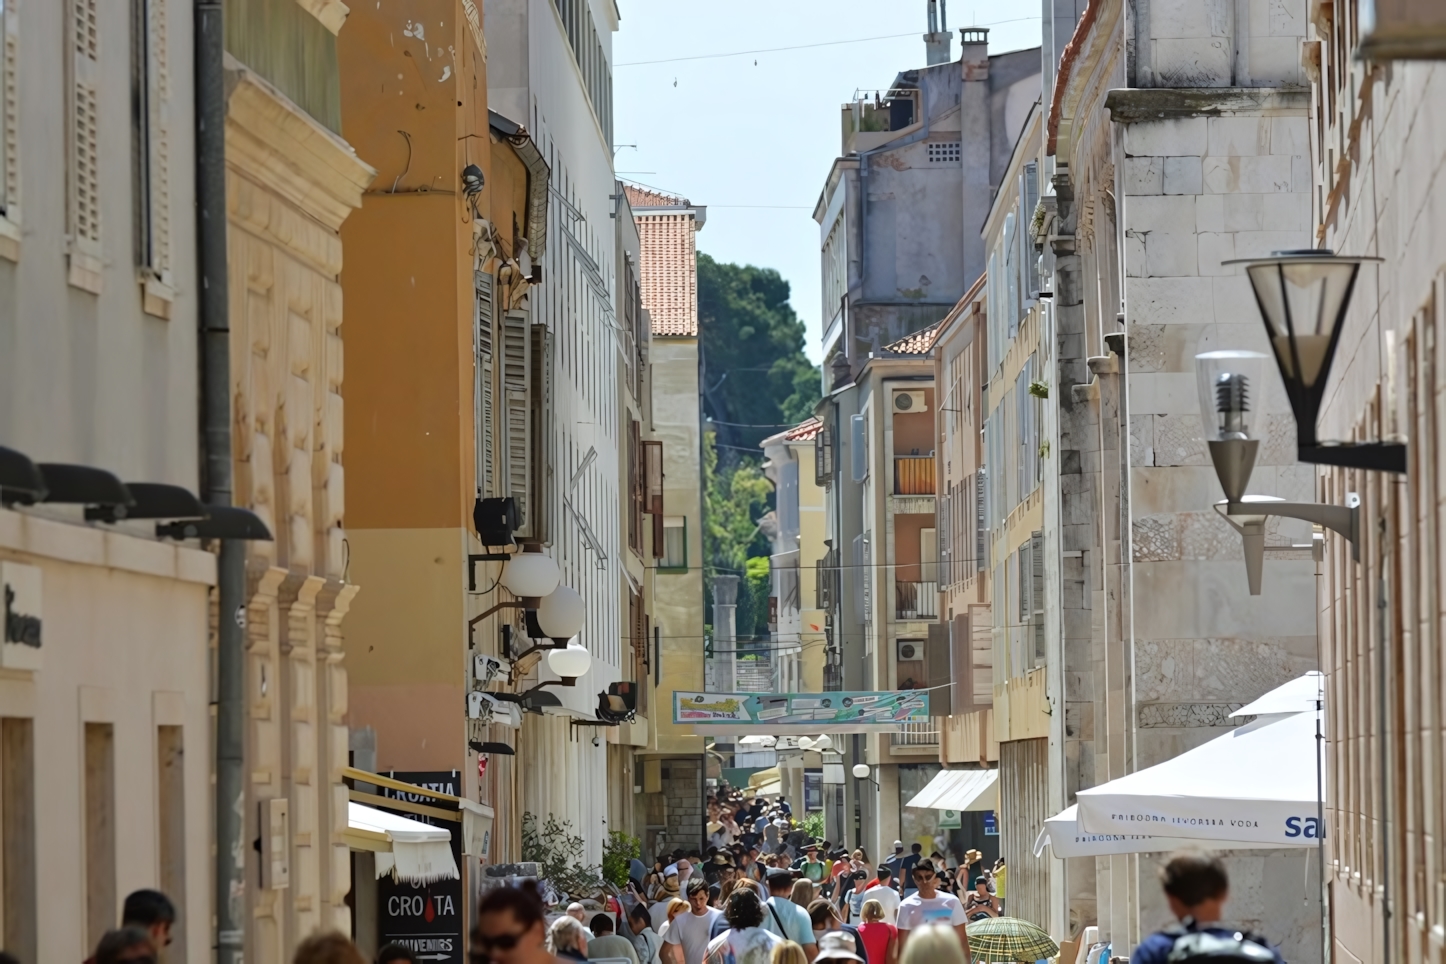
(1134, 105)
(331, 13)
(274, 141)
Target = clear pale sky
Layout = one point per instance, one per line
(752, 135)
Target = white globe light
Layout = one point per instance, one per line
(804, 743)
(530, 574)
(570, 661)
(861, 770)
(561, 613)
(824, 742)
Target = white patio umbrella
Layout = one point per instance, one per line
(1063, 835)
(1255, 785)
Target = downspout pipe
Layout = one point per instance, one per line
(215, 371)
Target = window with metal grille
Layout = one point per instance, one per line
(944, 152)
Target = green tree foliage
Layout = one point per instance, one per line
(754, 369)
(812, 824)
(618, 854)
(755, 621)
(559, 855)
(738, 496)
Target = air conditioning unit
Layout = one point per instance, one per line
(910, 402)
(911, 650)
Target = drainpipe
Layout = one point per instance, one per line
(215, 364)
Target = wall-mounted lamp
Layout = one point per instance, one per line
(1229, 383)
(1303, 296)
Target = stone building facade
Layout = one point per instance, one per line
(1172, 143)
(1374, 123)
(291, 181)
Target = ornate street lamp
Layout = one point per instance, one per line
(1303, 296)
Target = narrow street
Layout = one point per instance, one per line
(641, 482)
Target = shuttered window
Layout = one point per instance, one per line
(482, 397)
(539, 523)
(635, 487)
(517, 416)
(83, 173)
(9, 112)
(151, 126)
(653, 491)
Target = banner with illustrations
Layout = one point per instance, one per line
(822, 712)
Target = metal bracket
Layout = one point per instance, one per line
(1248, 516)
(472, 561)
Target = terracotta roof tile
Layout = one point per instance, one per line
(646, 197)
(668, 272)
(803, 431)
(919, 343)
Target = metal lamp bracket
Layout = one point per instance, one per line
(1248, 517)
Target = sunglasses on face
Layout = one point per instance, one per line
(501, 942)
(923, 878)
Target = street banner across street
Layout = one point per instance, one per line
(818, 712)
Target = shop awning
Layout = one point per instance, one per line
(410, 850)
(1062, 834)
(959, 790)
(1256, 784)
(766, 783)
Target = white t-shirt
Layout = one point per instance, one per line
(751, 945)
(888, 897)
(915, 911)
(658, 913)
(691, 931)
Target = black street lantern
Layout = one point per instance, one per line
(1303, 296)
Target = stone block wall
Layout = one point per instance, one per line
(683, 797)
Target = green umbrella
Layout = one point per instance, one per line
(1009, 939)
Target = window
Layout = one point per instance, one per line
(482, 392)
(83, 177)
(100, 831)
(944, 152)
(151, 81)
(9, 108)
(653, 489)
(675, 543)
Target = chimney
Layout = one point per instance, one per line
(974, 52)
(937, 41)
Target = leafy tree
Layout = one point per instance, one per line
(618, 853)
(559, 856)
(738, 495)
(755, 375)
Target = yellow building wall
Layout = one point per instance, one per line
(678, 596)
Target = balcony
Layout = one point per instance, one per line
(916, 600)
(914, 475)
(924, 735)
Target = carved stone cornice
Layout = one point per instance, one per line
(277, 144)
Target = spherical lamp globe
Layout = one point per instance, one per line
(861, 770)
(530, 574)
(561, 613)
(571, 661)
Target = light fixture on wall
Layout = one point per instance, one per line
(1230, 384)
(561, 613)
(861, 771)
(570, 662)
(1303, 296)
(530, 573)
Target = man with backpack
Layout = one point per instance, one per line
(1196, 887)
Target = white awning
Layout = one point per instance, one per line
(1256, 784)
(1062, 834)
(1300, 695)
(959, 790)
(409, 850)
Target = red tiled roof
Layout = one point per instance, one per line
(803, 431)
(919, 343)
(668, 272)
(646, 197)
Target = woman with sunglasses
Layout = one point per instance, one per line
(511, 928)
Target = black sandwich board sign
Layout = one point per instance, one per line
(428, 919)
